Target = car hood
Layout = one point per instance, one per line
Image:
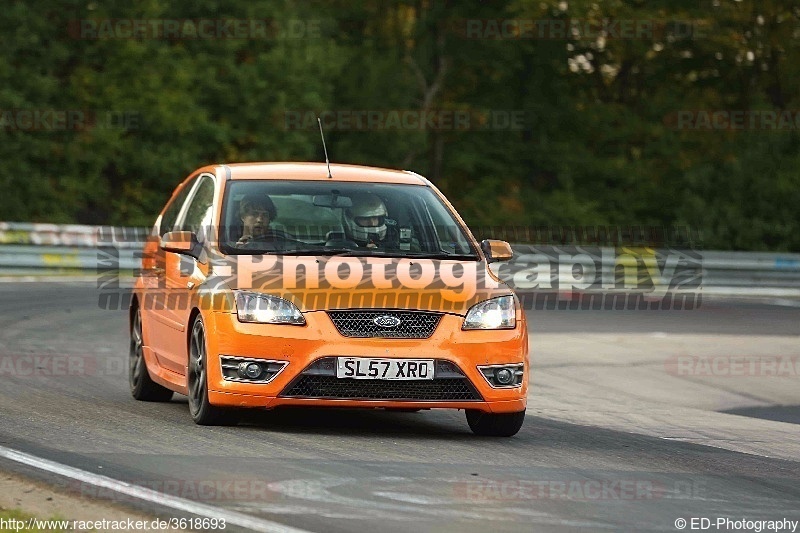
(325, 283)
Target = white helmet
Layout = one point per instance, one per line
(366, 218)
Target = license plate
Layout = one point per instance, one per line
(394, 369)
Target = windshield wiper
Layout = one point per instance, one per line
(367, 252)
(343, 252)
(444, 255)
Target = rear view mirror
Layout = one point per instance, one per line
(496, 250)
(181, 242)
(332, 200)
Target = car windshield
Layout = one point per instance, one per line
(335, 218)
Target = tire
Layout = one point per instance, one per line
(143, 388)
(495, 424)
(202, 412)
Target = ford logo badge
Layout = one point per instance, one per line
(386, 321)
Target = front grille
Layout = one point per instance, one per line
(319, 381)
(412, 324)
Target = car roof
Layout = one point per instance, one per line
(318, 171)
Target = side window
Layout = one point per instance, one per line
(198, 214)
(174, 208)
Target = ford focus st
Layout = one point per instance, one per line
(286, 284)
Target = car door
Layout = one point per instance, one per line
(183, 274)
(157, 326)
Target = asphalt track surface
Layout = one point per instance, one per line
(371, 470)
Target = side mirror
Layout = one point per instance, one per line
(181, 242)
(496, 250)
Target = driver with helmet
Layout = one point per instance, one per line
(365, 221)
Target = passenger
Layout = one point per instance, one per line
(256, 212)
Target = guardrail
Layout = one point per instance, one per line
(751, 269)
(644, 267)
(70, 235)
(32, 258)
(31, 248)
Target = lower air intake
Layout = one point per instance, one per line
(319, 380)
(331, 387)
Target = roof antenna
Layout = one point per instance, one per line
(319, 121)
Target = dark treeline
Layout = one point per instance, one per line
(580, 112)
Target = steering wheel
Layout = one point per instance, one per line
(341, 243)
(271, 236)
(278, 235)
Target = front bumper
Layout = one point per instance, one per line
(303, 346)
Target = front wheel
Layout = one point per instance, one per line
(495, 424)
(143, 388)
(203, 413)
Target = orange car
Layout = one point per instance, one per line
(284, 284)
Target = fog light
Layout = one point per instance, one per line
(504, 376)
(249, 370)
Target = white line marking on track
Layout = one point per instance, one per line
(148, 495)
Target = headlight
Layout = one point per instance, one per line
(266, 309)
(497, 313)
